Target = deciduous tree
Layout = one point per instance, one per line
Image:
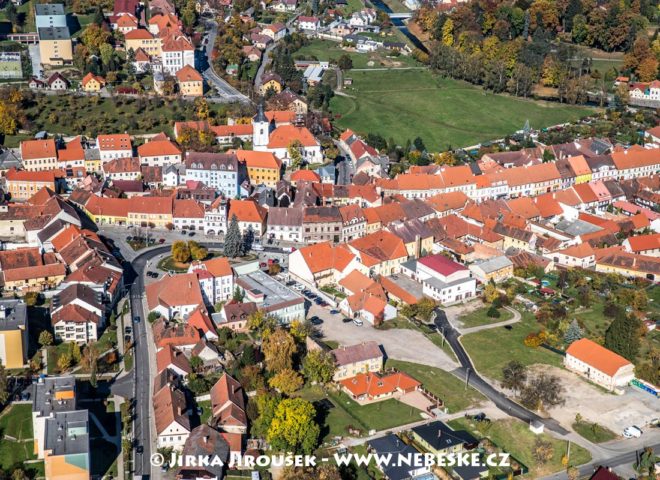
(45, 338)
(287, 381)
(318, 366)
(514, 376)
(293, 427)
(278, 350)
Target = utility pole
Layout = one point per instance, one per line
(442, 331)
(467, 377)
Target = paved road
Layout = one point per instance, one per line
(265, 59)
(626, 458)
(467, 369)
(227, 92)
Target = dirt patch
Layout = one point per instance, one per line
(615, 412)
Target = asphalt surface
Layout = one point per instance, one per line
(226, 91)
(502, 402)
(141, 376)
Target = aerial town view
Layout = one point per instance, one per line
(329, 239)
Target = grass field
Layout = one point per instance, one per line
(16, 422)
(478, 317)
(326, 50)
(516, 438)
(594, 432)
(404, 104)
(443, 384)
(380, 415)
(491, 349)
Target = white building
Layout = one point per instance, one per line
(159, 153)
(272, 297)
(215, 217)
(216, 279)
(598, 364)
(172, 422)
(177, 52)
(442, 279)
(308, 23)
(114, 146)
(285, 223)
(216, 170)
(188, 214)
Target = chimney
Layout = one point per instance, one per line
(206, 439)
(439, 432)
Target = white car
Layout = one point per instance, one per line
(357, 322)
(298, 287)
(257, 247)
(632, 432)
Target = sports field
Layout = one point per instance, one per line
(404, 104)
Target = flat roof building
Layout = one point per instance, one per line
(272, 296)
(13, 333)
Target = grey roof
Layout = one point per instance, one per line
(440, 285)
(207, 442)
(13, 315)
(67, 433)
(416, 209)
(8, 159)
(211, 161)
(275, 294)
(51, 230)
(76, 291)
(260, 116)
(441, 437)
(409, 230)
(600, 161)
(577, 227)
(408, 284)
(49, 9)
(92, 154)
(391, 444)
(54, 33)
(45, 390)
(494, 264)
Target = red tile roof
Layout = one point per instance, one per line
(597, 356)
(441, 264)
(373, 385)
(35, 149)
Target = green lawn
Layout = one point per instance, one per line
(326, 50)
(443, 112)
(376, 416)
(443, 384)
(478, 317)
(16, 422)
(491, 349)
(516, 438)
(594, 432)
(168, 263)
(205, 405)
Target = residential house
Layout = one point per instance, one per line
(171, 417)
(92, 83)
(250, 216)
(353, 222)
(39, 155)
(217, 170)
(271, 82)
(142, 39)
(321, 224)
(191, 82)
(308, 23)
(216, 279)
(598, 364)
(22, 184)
(442, 279)
(124, 168)
(276, 31)
(114, 146)
(285, 223)
(322, 264)
(205, 442)
(439, 439)
(57, 82)
(235, 315)
(228, 405)
(262, 167)
(173, 296)
(159, 153)
(177, 52)
(581, 255)
(215, 217)
(648, 245)
(77, 314)
(379, 253)
(497, 269)
(351, 360)
(366, 388)
(391, 448)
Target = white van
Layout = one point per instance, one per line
(357, 322)
(632, 432)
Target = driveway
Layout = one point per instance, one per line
(399, 344)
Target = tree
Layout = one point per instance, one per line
(94, 37)
(247, 240)
(542, 390)
(197, 252)
(196, 363)
(64, 362)
(345, 62)
(267, 403)
(623, 336)
(318, 366)
(287, 381)
(647, 70)
(45, 338)
(543, 450)
(238, 295)
(424, 308)
(491, 293)
(4, 393)
(514, 376)
(19, 474)
(293, 427)
(646, 463)
(8, 115)
(493, 312)
(294, 154)
(573, 333)
(180, 252)
(233, 240)
(76, 354)
(278, 350)
(107, 53)
(31, 298)
(448, 33)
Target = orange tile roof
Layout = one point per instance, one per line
(169, 407)
(399, 292)
(151, 205)
(34, 149)
(201, 321)
(90, 76)
(72, 151)
(14, 175)
(374, 385)
(447, 201)
(119, 141)
(246, 211)
(280, 116)
(167, 356)
(527, 175)
(188, 74)
(524, 207)
(176, 43)
(641, 243)
(579, 165)
(303, 175)
(43, 195)
(585, 192)
(164, 20)
(65, 237)
(597, 356)
(187, 208)
(284, 135)
(324, 256)
(581, 250)
(409, 181)
(138, 34)
(127, 20)
(155, 148)
(253, 159)
(379, 247)
(548, 206)
(172, 291)
(112, 207)
(218, 266)
(355, 281)
(636, 158)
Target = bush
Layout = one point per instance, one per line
(153, 316)
(493, 312)
(31, 298)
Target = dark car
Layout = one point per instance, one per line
(139, 449)
(161, 240)
(318, 301)
(191, 234)
(316, 321)
(334, 311)
(136, 319)
(347, 320)
(129, 238)
(508, 327)
(128, 329)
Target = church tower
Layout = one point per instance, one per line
(260, 129)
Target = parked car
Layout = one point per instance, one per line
(357, 322)
(318, 301)
(347, 320)
(128, 329)
(257, 247)
(129, 238)
(136, 319)
(298, 287)
(315, 320)
(632, 432)
(334, 311)
(191, 234)
(161, 240)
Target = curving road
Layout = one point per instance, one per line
(502, 402)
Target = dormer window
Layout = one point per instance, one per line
(214, 167)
